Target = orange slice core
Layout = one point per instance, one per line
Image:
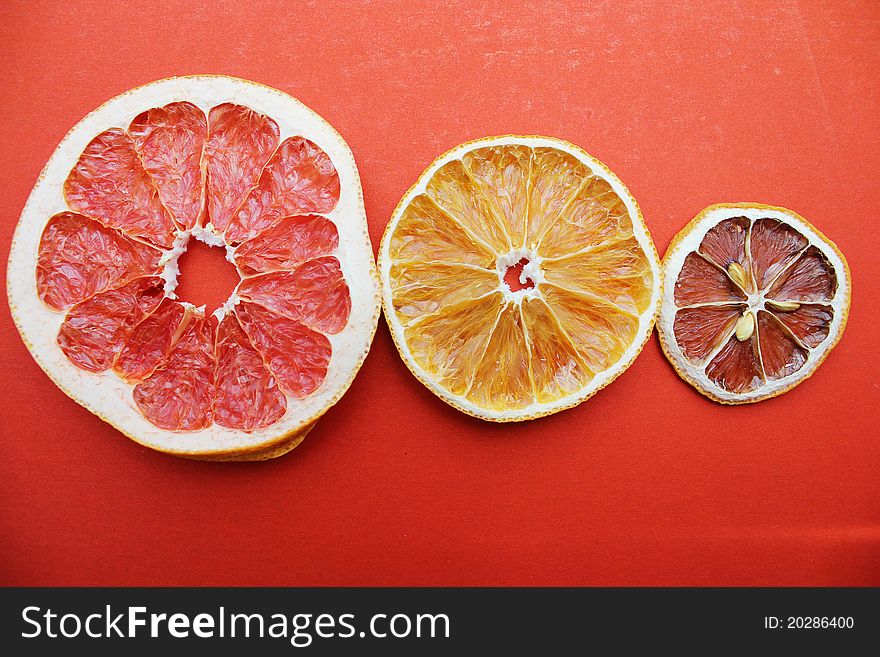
(513, 277)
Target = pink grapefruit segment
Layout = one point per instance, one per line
(287, 243)
(95, 330)
(247, 395)
(299, 179)
(169, 141)
(109, 184)
(180, 395)
(297, 356)
(79, 258)
(150, 341)
(315, 293)
(240, 142)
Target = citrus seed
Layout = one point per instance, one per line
(738, 275)
(745, 327)
(782, 305)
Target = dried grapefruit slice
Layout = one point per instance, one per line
(93, 267)
(756, 298)
(518, 277)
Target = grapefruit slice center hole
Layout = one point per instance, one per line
(512, 277)
(206, 276)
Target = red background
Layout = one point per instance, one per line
(646, 483)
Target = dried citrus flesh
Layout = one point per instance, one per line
(170, 141)
(518, 277)
(756, 297)
(93, 268)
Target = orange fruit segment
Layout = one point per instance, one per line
(518, 277)
(424, 288)
(600, 331)
(93, 271)
(557, 367)
(451, 341)
(757, 298)
(594, 217)
(502, 175)
(424, 228)
(615, 272)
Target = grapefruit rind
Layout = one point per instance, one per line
(602, 379)
(688, 240)
(108, 396)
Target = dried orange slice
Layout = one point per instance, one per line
(93, 267)
(756, 298)
(518, 277)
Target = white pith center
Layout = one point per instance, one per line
(756, 301)
(531, 271)
(171, 268)
(759, 300)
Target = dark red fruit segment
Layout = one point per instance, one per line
(170, 140)
(701, 282)
(150, 341)
(95, 330)
(700, 330)
(240, 142)
(773, 245)
(180, 395)
(809, 323)
(109, 184)
(299, 179)
(288, 242)
(725, 242)
(810, 278)
(315, 293)
(780, 354)
(247, 395)
(297, 356)
(736, 367)
(79, 257)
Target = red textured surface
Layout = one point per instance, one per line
(647, 483)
